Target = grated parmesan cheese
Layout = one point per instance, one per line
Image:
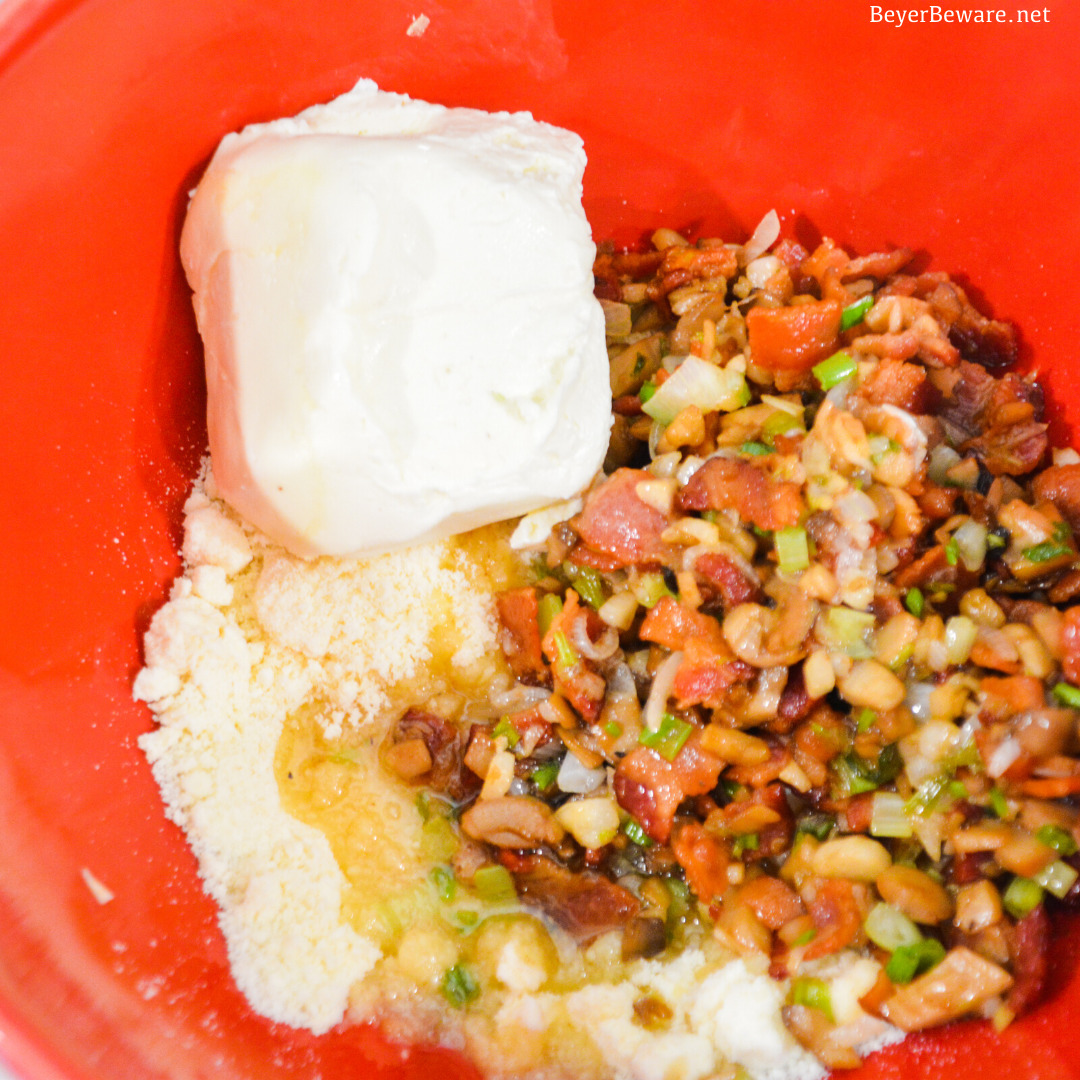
(248, 636)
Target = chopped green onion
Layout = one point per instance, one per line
(494, 884)
(858, 775)
(819, 826)
(855, 313)
(1046, 551)
(779, 423)
(459, 986)
(755, 449)
(650, 589)
(568, 657)
(792, 549)
(813, 993)
(746, 842)
(1061, 840)
(506, 730)
(549, 607)
(995, 541)
(648, 388)
(466, 917)
(442, 877)
(613, 729)
(1022, 897)
(926, 798)
(1061, 532)
(430, 805)
(669, 738)
(889, 928)
(999, 804)
(636, 834)
(910, 960)
(952, 551)
(836, 369)
(438, 840)
(864, 719)
(806, 936)
(1068, 694)
(589, 587)
(958, 789)
(1058, 878)
(543, 776)
(887, 816)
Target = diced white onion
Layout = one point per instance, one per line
(697, 382)
(971, 544)
(1003, 755)
(660, 691)
(575, 779)
(761, 269)
(765, 235)
(942, 458)
(602, 648)
(1066, 456)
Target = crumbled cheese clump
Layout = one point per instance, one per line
(250, 634)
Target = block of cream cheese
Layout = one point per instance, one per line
(401, 338)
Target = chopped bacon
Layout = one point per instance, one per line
(1070, 644)
(705, 675)
(999, 419)
(988, 342)
(577, 682)
(650, 788)
(880, 265)
(616, 523)
(794, 338)
(585, 904)
(894, 382)
(672, 624)
(734, 584)
(772, 901)
(447, 774)
(837, 915)
(610, 269)
(519, 635)
(1030, 954)
(1060, 484)
(795, 703)
(704, 860)
(724, 483)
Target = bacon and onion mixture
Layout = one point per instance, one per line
(800, 672)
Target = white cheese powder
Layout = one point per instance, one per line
(222, 674)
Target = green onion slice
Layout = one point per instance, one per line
(855, 313)
(835, 370)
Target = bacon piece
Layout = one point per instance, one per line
(704, 860)
(837, 915)
(988, 342)
(794, 338)
(724, 483)
(616, 523)
(578, 683)
(705, 675)
(879, 265)
(447, 774)
(999, 419)
(672, 624)
(723, 573)
(519, 634)
(795, 703)
(894, 382)
(585, 904)
(772, 901)
(1030, 954)
(1070, 643)
(1060, 484)
(651, 788)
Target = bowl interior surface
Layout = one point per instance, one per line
(955, 140)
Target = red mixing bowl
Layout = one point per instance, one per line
(957, 139)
